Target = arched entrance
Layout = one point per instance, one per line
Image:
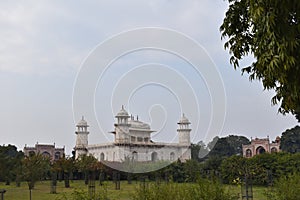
(172, 156)
(135, 156)
(46, 154)
(260, 150)
(154, 156)
(102, 156)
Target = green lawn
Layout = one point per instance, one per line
(258, 192)
(42, 190)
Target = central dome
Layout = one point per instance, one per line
(139, 125)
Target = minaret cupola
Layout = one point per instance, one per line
(184, 131)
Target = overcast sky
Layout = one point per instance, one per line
(44, 45)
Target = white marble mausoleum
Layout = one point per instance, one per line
(132, 140)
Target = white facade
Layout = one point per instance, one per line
(133, 141)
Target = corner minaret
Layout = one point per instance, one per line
(81, 138)
(122, 126)
(184, 131)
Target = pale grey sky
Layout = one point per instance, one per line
(44, 43)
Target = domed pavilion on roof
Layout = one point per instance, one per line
(132, 139)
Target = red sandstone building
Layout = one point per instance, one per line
(259, 146)
(48, 150)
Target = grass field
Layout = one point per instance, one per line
(42, 190)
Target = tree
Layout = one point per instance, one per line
(212, 143)
(65, 166)
(236, 143)
(222, 149)
(290, 140)
(212, 164)
(286, 188)
(270, 31)
(10, 163)
(287, 164)
(86, 164)
(198, 151)
(192, 170)
(234, 168)
(265, 167)
(35, 168)
(228, 146)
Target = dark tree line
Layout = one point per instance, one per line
(290, 140)
(207, 160)
(232, 145)
(219, 148)
(264, 169)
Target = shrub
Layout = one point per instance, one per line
(204, 189)
(286, 188)
(79, 194)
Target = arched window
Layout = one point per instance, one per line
(248, 153)
(57, 155)
(133, 139)
(172, 156)
(154, 156)
(273, 150)
(135, 156)
(102, 156)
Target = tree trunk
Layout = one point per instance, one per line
(18, 183)
(86, 178)
(60, 174)
(129, 177)
(101, 178)
(67, 180)
(53, 183)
